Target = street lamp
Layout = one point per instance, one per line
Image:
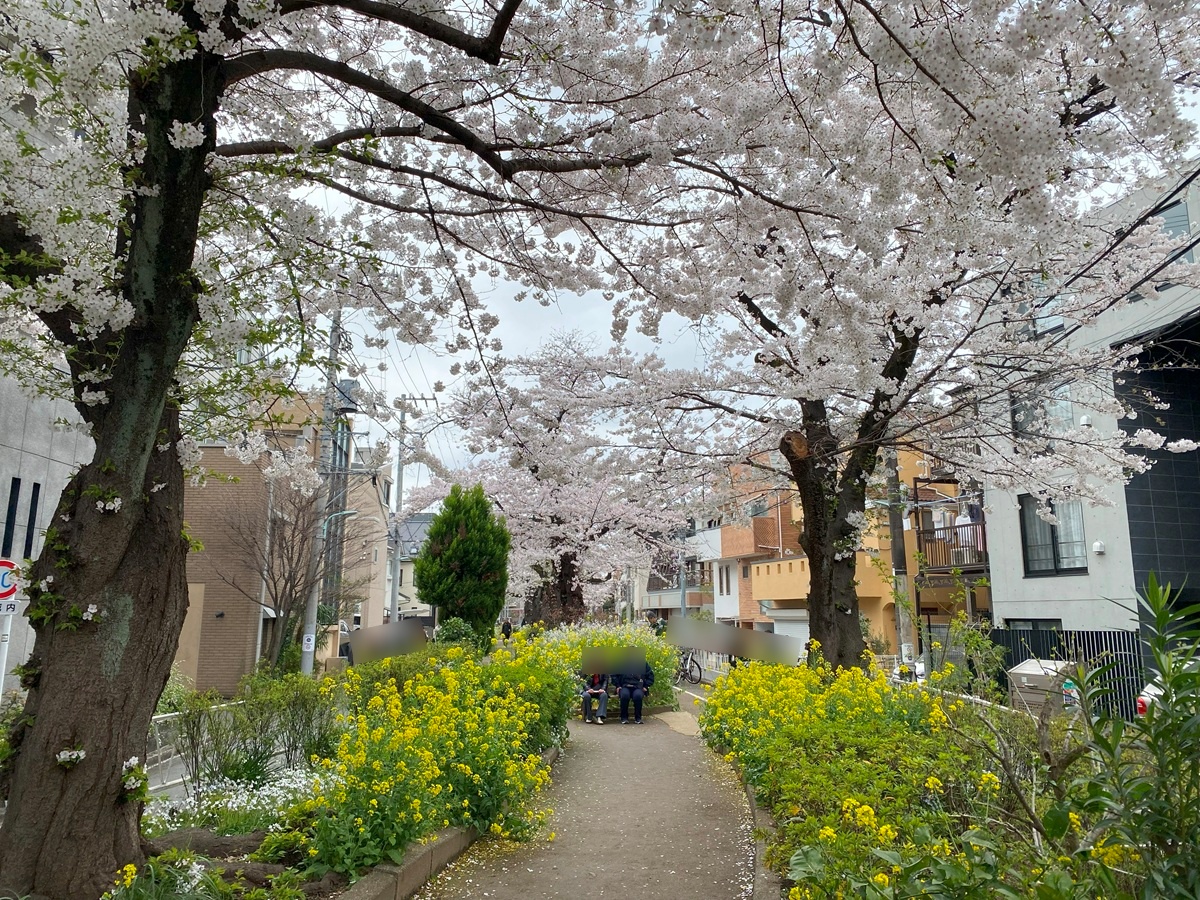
(308, 649)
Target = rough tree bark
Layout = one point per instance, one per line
(558, 600)
(833, 498)
(94, 682)
(826, 537)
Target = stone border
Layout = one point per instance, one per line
(421, 862)
(768, 885)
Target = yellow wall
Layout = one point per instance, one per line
(780, 579)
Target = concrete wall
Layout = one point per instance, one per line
(39, 453)
(1101, 598)
(1162, 503)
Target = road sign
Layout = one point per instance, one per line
(9, 607)
(8, 579)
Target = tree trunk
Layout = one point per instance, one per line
(108, 594)
(558, 600)
(96, 686)
(827, 537)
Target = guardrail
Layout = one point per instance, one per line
(166, 764)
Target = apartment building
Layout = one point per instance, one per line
(1084, 570)
(39, 450)
(254, 567)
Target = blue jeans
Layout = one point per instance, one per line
(602, 698)
(637, 694)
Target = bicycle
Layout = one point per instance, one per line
(689, 668)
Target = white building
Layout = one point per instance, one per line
(37, 458)
(1085, 571)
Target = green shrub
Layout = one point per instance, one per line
(177, 688)
(457, 631)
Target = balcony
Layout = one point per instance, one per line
(662, 591)
(961, 547)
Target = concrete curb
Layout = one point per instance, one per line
(768, 885)
(421, 862)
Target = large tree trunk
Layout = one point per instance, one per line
(829, 505)
(97, 674)
(67, 831)
(558, 600)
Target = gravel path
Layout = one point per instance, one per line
(640, 812)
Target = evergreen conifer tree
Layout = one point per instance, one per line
(462, 568)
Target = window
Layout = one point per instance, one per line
(10, 518)
(400, 582)
(1058, 549)
(758, 570)
(1039, 414)
(745, 571)
(757, 507)
(1034, 624)
(31, 527)
(1176, 224)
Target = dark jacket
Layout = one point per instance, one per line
(595, 681)
(634, 680)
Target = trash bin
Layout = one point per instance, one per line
(1036, 682)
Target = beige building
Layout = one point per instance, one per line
(252, 566)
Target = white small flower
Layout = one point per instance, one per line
(185, 135)
(69, 757)
(131, 763)
(1183, 445)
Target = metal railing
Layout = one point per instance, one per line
(953, 547)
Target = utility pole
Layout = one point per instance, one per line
(899, 555)
(398, 505)
(329, 415)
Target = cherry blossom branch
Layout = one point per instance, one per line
(486, 48)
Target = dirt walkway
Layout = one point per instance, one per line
(640, 813)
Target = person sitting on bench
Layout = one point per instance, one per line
(634, 684)
(595, 690)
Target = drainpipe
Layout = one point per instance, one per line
(262, 592)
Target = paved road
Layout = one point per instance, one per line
(639, 812)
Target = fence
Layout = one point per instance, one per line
(953, 547)
(1122, 650)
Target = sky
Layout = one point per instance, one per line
(524, 327)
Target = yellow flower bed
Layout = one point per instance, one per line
(449, 746)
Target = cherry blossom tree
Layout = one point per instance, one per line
(579, 509)
(185, 189)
